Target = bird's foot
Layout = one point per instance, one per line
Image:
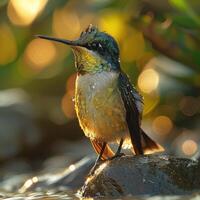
(96, 165)
(117, 155)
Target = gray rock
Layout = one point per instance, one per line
(17, 126)
(71, 178)
(143, 175)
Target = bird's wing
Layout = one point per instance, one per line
(132, 99)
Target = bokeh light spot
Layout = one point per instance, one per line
(133, 47)
(66, 24)
(72, 167)
(40, 53)
(71, 82)
(189, 147)
(67, 105)
(148, 80)
(113, 23)
(8, 50)
(162, 125)
(23, 12)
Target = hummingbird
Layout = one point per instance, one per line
(108, 106)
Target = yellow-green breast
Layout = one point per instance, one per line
(99, 106)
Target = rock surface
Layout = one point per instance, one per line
(143, 175)
(70, 178)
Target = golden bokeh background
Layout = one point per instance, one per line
(159, 49)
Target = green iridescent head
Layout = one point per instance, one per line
(94, 50)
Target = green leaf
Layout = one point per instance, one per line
(185, 7)
(185, 22)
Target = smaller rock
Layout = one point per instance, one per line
(71, 178)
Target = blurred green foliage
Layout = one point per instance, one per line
(160, 50)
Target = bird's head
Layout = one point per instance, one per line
(93, 50)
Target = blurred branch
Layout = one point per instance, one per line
(171, 50)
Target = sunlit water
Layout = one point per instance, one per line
(46, 185)
(51, 194)
(39, 193)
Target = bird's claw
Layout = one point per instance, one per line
(117, 155)
(98, 162)
(96, 165)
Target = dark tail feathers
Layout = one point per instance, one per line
(149, 145)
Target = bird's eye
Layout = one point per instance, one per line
(100, 46)
(97, 45)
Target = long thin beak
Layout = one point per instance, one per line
(68, 42)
